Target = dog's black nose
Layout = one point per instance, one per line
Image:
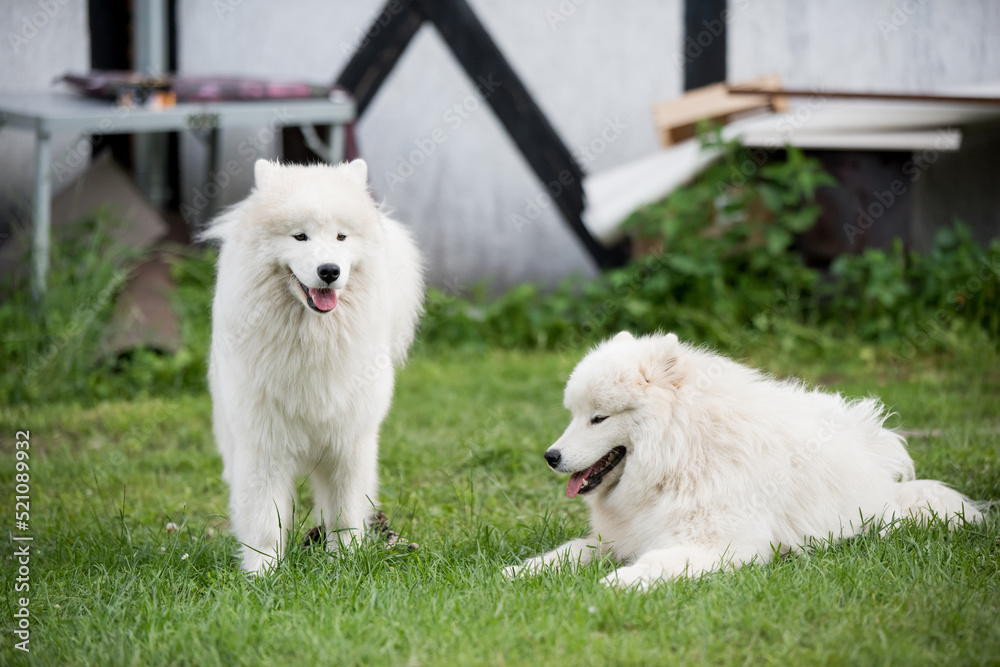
(328, 273)
(552, 457)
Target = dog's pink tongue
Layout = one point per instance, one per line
(325, 299)
(576, 483)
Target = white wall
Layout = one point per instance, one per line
(598, 65)
(878, 45)
(40, 40)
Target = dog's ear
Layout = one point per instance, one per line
(263, 171)
(358, 171)
(660, 367)
(623, 335)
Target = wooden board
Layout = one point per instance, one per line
(678, 120)
(754, 91)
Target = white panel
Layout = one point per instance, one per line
(601, 67)
(39, 41)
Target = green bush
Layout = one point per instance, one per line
(726, 272)
(889, 295)
(50, 348)
(55, 349)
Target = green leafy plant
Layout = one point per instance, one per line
(885, 295)
(55, 349)
(721, 267)
(50, 347)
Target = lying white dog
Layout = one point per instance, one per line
(691, 462)
(318, 295)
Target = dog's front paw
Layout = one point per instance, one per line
(525, 569)
(632, 577)
(255, 564)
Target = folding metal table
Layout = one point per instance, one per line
(47, 114)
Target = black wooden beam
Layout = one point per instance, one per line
(378, 52)
(704, 46)
(110, 23)
(541, 146)
(500, 86)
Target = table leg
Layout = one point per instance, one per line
(214, 156)
(330, 147)
(42, 214)
(336, 143)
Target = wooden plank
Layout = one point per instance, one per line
(678, 120)
(754, 91)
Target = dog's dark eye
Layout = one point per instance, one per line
(341, 237)
(300, 237)
(598, 419)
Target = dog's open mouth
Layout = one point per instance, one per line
(320, 299)
(587, 480)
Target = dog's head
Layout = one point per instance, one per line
(614, 393)
(307, 227)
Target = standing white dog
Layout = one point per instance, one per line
(691, 462)
(318, 294)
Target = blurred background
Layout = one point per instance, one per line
(585, 63)
(737, 171)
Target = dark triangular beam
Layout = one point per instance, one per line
(483, 62)
(378, 52)
(705, 23)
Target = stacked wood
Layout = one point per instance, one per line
(678, 119)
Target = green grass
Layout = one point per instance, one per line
(462, 474)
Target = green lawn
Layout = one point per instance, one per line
(462, 474)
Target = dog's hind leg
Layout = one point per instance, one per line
(924, 499)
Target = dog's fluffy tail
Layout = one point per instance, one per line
(924, 500)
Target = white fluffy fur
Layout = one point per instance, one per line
(296, 391)
(725, 466)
